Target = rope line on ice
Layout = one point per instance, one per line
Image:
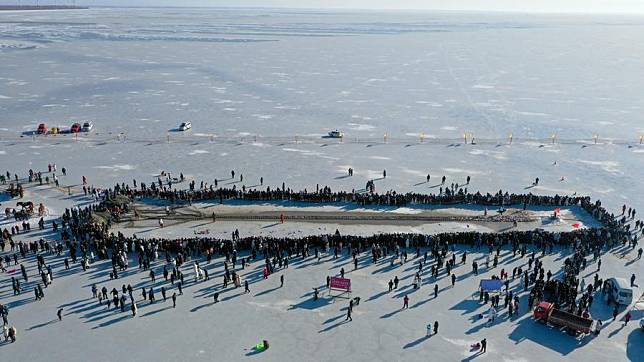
(176, 137)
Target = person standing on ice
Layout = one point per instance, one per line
(84, 180)
(491, 315)
(60, 314)
(23, 270)
(384, 173)
(12, 334)
(428, 177)
(161, 223)
(598, 327)
(195, 269)
(405, 302)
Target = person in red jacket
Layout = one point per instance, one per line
(627, 318)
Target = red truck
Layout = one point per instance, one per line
(76, 127)
(42, 128)
(574, 324)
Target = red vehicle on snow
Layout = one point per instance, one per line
(574, 324)
(76, 128)
(42, 129)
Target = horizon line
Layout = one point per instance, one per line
(498, 11)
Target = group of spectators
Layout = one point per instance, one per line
(446, 196)
(83, 233)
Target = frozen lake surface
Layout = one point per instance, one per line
(255, 82)
(238, 72)
(261, 88)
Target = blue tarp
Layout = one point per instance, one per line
(491, 285)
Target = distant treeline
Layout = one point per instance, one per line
(40, 7)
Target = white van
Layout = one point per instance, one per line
(619, 291)
(185, 126)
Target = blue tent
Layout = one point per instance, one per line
(491, 285)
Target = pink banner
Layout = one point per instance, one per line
(340, 283)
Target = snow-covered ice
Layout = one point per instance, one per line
(251, 81)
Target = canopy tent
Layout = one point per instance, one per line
(491, 285)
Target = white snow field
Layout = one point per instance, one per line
(262, 88)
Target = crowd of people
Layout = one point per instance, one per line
(450, 194)
(85, 238)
